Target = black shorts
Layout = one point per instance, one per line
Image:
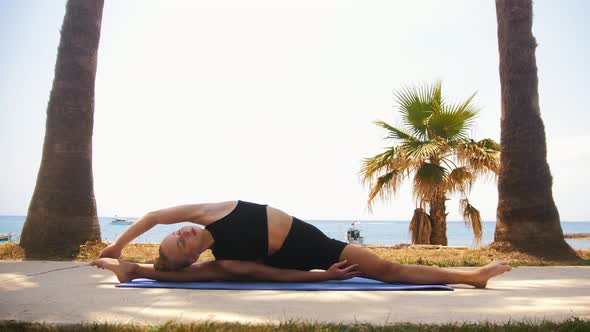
(306, 248)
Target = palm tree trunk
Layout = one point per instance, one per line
(420, 227)
(527, 217)
(62, 213)
(438, 216)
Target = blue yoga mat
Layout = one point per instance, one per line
(354, 284)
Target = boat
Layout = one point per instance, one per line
(353, 234)
(121, 221)
(6, 236)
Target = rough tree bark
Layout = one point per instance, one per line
(62, 213)
(527, 217)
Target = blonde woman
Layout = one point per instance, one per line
(259, 242)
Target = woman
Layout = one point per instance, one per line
(254, 241)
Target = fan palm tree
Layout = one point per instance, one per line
(434, 150)
(527, 217)
(62, 213)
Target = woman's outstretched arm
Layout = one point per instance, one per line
(189, 212)
(224, 270)
(127, 271)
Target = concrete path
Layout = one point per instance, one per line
(31, 291)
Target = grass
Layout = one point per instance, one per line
(572, 324)
(147, 253)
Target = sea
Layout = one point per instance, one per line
(381, 232)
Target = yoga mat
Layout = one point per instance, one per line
(354, 284)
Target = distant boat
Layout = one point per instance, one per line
(6, 236)
(121, 221)
(353, 234)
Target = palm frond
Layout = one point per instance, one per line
(420, 227)
(488, 143)
(454, 121)
(460, 180)
(417, 104)
(472, 218)
(396, 133)
(384, 187)
(385, 162)
(481, 157)
(467, 107)
(422, 150)
(429, 181)
(437, 101)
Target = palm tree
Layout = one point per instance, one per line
(527, 217)
(435, 151)
(62, 212)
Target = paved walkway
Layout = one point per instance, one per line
(31, 291)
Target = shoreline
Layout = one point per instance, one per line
(577, 236)
(375, 233)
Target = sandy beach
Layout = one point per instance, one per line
(579, 236)
(68, 292)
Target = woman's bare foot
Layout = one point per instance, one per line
(124, 271)
(484, 273)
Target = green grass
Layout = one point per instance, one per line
(147, 253)
(572, 324)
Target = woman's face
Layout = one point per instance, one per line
(182, 247)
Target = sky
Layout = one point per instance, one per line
(274, 101)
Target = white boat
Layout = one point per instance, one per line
(6, 236)
(353, 234)
(121, 221)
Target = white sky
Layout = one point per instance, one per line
(273, 101)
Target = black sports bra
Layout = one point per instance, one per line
(242, 234)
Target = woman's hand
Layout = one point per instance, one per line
(111, 251)
(336, 272)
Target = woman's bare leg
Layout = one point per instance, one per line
(373, 266)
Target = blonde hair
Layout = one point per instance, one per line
(162, 263)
